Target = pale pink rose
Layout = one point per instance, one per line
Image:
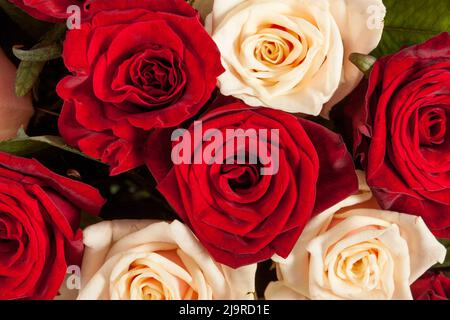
(15, 112)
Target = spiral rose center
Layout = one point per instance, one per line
(155, 74)
(8, 245)
(272, 50)
(146, 286)
(241, 177)
(156, 276)
(361, 265)
(361, 269)
(432, 126)
(275, 47)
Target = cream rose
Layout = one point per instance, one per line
(353, 251)
(292, 55)
(151, 260)
(14, 112)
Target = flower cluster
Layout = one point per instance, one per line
(216, 115)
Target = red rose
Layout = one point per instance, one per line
(39, 233)
(241, 215)
(138, 65)
(431, 287)
(399, 125)
(51, 10)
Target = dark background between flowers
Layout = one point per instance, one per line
(133, 195)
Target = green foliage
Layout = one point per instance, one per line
(446, 264)
(363, 62)
(30, 69)
(42, 54)
(23, 145)
(410, 22)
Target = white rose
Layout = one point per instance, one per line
(353, 251)
(15, 112)
(292, 55)
(142, 260)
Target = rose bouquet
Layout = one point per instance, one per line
(224, 149)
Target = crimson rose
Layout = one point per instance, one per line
(399, 125)
(138, 65)
(241, 215)
(39, 233)
(51, 10)
(431, 287)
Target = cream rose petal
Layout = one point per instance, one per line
(241, 280)
(361, 26)
(220, 9)
(98, 240)
(278, 290)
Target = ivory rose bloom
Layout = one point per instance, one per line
(353, 251)
(292, 55)
(14, 112)
(152, 260)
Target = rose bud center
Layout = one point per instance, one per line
(158, 72)
(432, 126)
(274, 47)
(361, 265)
(241, 177)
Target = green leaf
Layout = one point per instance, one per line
(364, 62)
(30, 25)
(54, 35)
(88, 220)
(23, 145)
(204, 7)
(410, 22)
(446, 264)
(29, 71)
(27, 76)
(43, 54)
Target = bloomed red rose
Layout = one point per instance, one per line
(138, 65)
(246, 211)
(39, 227)
(399, 124)
(52, 10)
(431, 286)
